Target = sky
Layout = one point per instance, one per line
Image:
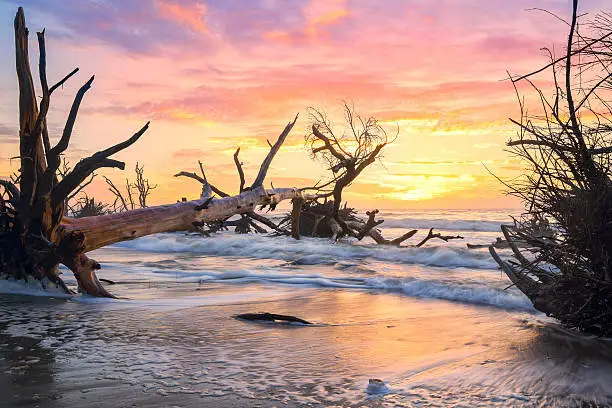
(214, 75)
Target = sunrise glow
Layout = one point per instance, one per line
(215, 75)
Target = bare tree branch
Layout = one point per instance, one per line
(88, 165)
(265, 165)
(431, 235)
(239, 169)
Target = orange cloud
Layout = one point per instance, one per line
(194, 16)
(318, 14)
(321, 13)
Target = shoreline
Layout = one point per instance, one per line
(142, 354)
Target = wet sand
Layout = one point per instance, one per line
(151, 351)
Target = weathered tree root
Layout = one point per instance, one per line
(317, 220)
(576, 300)
(84, 270)
(563, 251)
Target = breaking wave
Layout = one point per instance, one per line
(309, 250)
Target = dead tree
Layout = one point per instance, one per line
(564, 262)
(135, 195)
(347, 154)
(142, 186)
(37, 236)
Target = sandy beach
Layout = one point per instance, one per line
(427, 351)
(437, 336)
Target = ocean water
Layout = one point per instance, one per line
(439, 325)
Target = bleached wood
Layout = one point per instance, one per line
(109, 229)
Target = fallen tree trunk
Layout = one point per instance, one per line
(252, 216)
(108, 229)
(97, 232)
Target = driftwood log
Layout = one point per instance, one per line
(271, 317)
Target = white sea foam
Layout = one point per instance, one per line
(31, 288)
(310, 251)
(444, 224)
(469, 291)
(466, 293)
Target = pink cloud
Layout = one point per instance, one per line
(318, 16)
(192, 15)
(322, 13)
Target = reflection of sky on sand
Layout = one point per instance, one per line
(430, 351)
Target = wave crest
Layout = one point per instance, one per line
(310, 250)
